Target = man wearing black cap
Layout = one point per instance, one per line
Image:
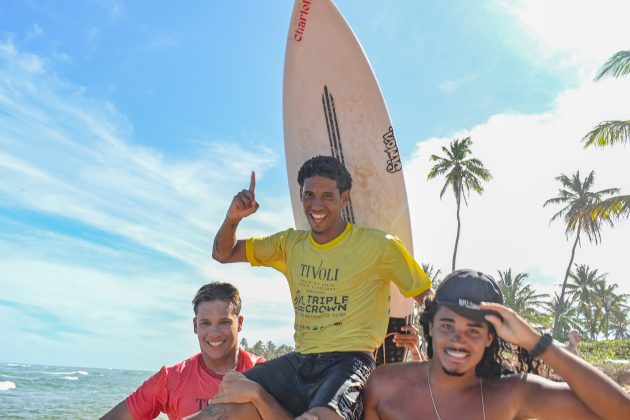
(467, 328)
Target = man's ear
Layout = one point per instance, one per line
(195, 325)
(240, 322)
(345, 197)
(490, 338)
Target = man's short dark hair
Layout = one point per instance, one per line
(218, 291)
(328, 167)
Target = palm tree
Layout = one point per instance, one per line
(461, 174)
(568, 318)
(610, 304)
(433, 274)
(585, 279)
(582, 287)
(621, 324)
(609, 133)
(520, 296)
(577, 197)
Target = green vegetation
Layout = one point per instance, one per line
(433, 273)
(267, 350)
(598, 352)
(591, 305)
(521, 296)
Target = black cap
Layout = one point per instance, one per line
(463, 290)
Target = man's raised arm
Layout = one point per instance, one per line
(227, 248)
(591, 394)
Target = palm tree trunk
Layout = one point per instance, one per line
(564, 283)
(459, 224)
(606, 319)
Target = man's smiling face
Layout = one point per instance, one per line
(217, 326)
(323, 202)
(458, 342)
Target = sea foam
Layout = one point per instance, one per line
(74, 372)
(6, 385)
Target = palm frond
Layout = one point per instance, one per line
(617, 65)
(446, 185)
(588, 181)
(608, 133)
(578, 199)
(612, 208)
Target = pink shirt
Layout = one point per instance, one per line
(182, 389)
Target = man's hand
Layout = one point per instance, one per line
(244, 203)
(513, 328)
(236, 388)
(411, 341)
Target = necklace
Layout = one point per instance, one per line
(483, 405)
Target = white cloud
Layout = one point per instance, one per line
(507, 226)
(137, 224)
(69, 156)
(578, 34)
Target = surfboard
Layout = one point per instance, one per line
(332, 105)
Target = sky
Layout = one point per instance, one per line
(127, 127)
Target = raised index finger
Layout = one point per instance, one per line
(252, 182)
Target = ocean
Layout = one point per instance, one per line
(61, 392)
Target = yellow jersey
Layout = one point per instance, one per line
(340, 289)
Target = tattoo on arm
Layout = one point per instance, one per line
(215, 412)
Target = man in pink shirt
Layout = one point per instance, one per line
(186, 388)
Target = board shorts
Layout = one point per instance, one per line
(300, 382)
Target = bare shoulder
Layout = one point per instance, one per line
(524, 383)
(399, 370)
(392, 378)
(522, 394)
(390, 389)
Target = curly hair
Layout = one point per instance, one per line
(218, 291)
(500, 358)
(328, 167)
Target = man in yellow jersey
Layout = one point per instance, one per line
(339, 275)
(468, 330)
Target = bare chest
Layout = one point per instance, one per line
(416, 403)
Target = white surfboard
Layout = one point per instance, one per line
(333, 106)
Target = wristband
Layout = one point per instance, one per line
(544, 342)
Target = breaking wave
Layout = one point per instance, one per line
(6, 385)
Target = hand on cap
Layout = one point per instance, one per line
(513, 328)
(244, 203)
